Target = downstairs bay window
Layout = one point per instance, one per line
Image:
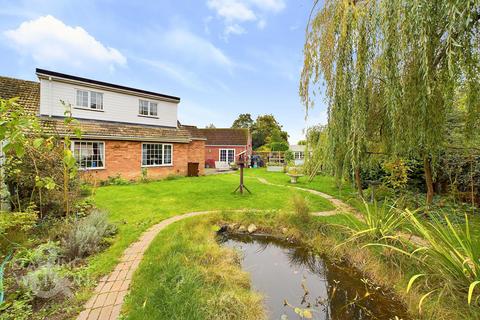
(157, 154)
(89, 154)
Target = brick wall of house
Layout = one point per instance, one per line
(212, 153)
(125, 157)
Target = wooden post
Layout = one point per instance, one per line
(241, 164)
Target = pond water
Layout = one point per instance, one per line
(288, 273)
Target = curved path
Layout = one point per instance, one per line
(110, 292)
(107, 301)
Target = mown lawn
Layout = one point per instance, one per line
(136, 207)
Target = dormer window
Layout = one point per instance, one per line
(89, 100)
(147, 108)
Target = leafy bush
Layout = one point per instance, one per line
(301, 207)
(48, 253)
(116, 180)
(86, 235)
(83, 208)
(86, 190)
(17, 221)
(279, 146)
(380, 193)
(45, 282)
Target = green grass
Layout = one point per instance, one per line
(185, 274)
(325, 184)
(136, 207)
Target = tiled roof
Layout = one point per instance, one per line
(195, 132)
(226, 136)
(29, 97)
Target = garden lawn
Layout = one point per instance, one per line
(136, 207)
(325, 184)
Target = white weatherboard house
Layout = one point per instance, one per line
(125, 131)
(298, 154)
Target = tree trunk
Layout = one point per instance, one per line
(428, 179)
(358, 181)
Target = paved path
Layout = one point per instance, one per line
(107, 301)
(340, 206)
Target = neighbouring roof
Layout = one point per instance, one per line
(195, 133)
(297, 148)
(226, 136)
(49, 73)
(29, 97)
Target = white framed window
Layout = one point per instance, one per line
(157, 154)
(299, 155)
(227, 155)
(147, 108)
(89, 100)
(89, 154)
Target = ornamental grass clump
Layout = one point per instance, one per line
(451, 256)
(380, 222)
(301, 207)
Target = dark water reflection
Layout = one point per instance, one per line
(284, 271)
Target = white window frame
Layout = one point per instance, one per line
(149, 108)
(227, 149)
(163, 156)
(89, 103)
(299, 155)
(72, 148)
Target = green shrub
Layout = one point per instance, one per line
(83, 208)
(45, 282)
(380, 193)
(115, 181)
(86, 190)
(86, 236)
(48, 253)
(17, 221)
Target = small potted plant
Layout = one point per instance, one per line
(294, 173)
(275, 167)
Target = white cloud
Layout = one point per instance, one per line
(176, 72)
(195, 48)
(49, 41)
(234, 12)
(234, 29)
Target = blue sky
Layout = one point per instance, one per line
(222, 57)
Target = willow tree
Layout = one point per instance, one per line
(398, 61)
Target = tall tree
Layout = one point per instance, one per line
(244, 120)
(265, 130)
(398, 62)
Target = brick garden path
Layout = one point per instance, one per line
(107, 301)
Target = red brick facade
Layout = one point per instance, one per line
(212, 153)
(124, 158)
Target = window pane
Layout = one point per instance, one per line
(89, 154)
(143, 107)
(167, 154)
(152, 154)
(153, 109)
(96, 100)
(223, 155)
(231, 156)
(82, 98)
